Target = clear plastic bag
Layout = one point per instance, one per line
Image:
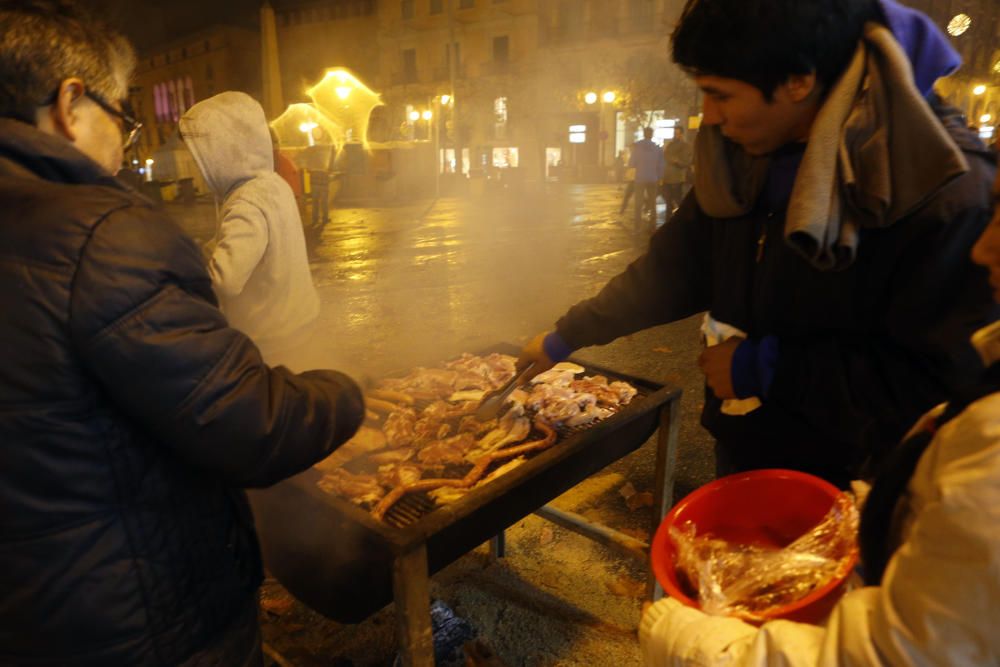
(750, 581)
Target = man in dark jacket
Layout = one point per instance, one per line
(835, 203)
(131, 414)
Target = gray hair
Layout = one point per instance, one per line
(45, 42)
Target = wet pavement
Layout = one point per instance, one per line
(420, 283)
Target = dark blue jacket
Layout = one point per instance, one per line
(131, 415)
(863, 352)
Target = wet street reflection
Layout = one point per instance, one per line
(418, 283)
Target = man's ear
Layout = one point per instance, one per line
(62, 117)
(800, 86)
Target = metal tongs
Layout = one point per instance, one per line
(493, 402)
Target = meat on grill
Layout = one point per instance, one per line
(430, 427)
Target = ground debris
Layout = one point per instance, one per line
(545, 535)
(640, 500)
(626, 587)
(663, 350)
(634, 499)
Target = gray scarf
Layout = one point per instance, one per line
(876, 153)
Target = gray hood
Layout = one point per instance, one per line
(229, 138)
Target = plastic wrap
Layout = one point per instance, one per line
(752, 581)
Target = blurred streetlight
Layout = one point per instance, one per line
(414, 116)
(959, 24)
(985, 118)
(446, 99)
(307, 129)
(343, 92)
(427, 114)
(979, 90)
(606, 97)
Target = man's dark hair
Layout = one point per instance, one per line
(647, 132)
(45, 42)
(763, 42)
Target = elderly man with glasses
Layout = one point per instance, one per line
(131, 414)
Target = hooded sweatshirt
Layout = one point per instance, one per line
(259, 268)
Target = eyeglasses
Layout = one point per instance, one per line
(130, 126)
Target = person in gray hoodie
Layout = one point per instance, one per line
(259, 266)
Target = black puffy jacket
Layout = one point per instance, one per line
(131, 415)
(863, 351)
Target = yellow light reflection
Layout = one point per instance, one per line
(347, 101)
(303, 125)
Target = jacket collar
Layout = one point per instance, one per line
(987, 343)
(26, 150)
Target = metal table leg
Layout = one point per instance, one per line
(498, 545)
(666, 469)
(413, 616)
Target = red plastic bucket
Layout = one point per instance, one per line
(769, 508)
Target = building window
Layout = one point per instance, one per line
(500, 117)
(569, 19)
(447, 58)
(466, 4)
(577, 134)
(437, 6)
(505, 158)
(641, 13)
(409, 65)
(501, 49)
(408, 9)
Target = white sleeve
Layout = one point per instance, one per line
(940, 597)
(242, 241)
(939, 601)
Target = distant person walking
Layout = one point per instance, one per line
(647, 158)
(286, 168)
(259, 267)
(678, 155)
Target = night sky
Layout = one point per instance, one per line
(148, 23)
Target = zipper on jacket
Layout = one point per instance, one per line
(762, 239)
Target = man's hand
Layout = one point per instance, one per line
(534, 351)
(716, 363)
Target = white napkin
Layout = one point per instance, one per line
(714, 332)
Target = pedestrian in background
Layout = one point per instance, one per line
(131, 414)
(677, 155)
(647, 159)
(259, 266)
(285, 167)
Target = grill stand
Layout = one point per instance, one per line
(410, 574)
(413, 615)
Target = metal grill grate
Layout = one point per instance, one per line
(409, 510)
(412, 507)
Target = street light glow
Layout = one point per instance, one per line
(427, 115)
(610, 96)
(307, 127)
(590, 97)
(414, 115)
(343, 92)
(446, 99)
(985, 118)
(959, 24)
(979, 90)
